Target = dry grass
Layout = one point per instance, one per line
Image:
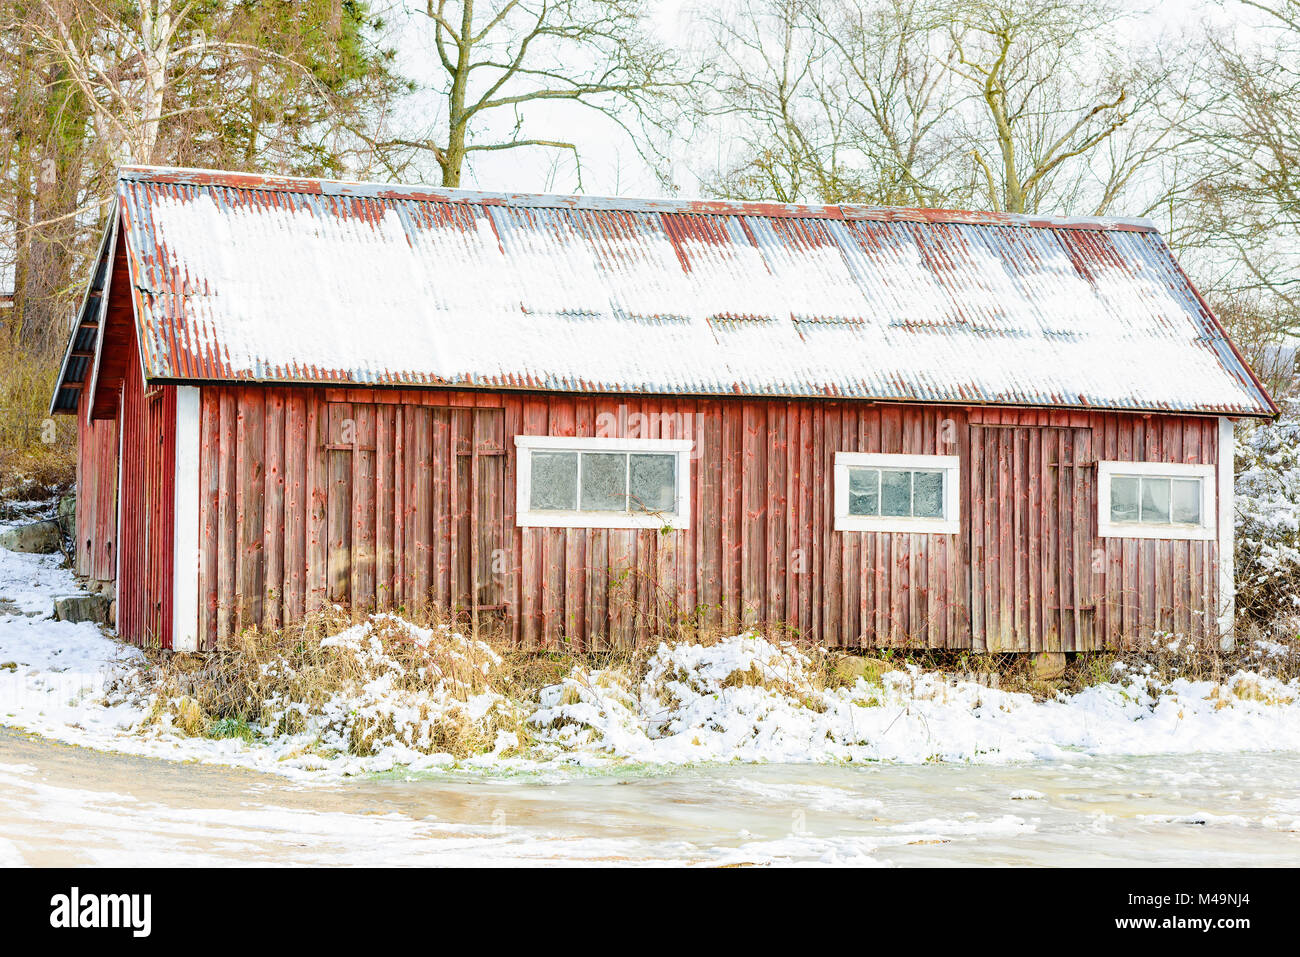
(31, 468)
(285, 681)
(435, 681)
(1273, 650)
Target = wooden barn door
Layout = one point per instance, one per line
(1031, 537)
(478, 539)
(415, 507)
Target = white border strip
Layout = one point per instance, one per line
(1227, 530)
(119, 420)
(185, 535)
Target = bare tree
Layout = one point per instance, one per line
(1048, 99)
(782, 113)
(1244, 210)
(833, 101)
(895, 74)
(499, 61)
(999, 104)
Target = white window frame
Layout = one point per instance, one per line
(950, 465)
(1206, 531)
(526, 517)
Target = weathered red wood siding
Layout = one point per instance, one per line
(147, 419)
(320, 494)
(96, 551)
(305, 500)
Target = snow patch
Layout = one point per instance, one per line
(743, 699)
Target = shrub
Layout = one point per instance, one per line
(31, 467)
(1268, 520)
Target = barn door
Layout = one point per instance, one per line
(1031, 538)
(415, 507)
(478, 512)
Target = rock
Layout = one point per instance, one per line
(106, 588)
(68, 516)
(853, 667)
(112, 613)
(81, 608)
(1045, 690)
(1049, 665)
(41, 538)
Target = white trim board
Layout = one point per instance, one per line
(117, 494)
(1227, 583)
(185, 517)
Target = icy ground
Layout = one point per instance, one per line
(68, 806)
(744, 699)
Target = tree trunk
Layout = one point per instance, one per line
(42, 292)
(452, 158)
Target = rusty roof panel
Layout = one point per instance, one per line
(290, 280)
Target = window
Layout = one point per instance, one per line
(896, 493)
(1155, 500)
(586, 482)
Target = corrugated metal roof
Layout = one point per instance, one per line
(276, 279)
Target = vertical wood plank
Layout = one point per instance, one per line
(342, 425)
(385, 506)
(210, 514)
(296, 451)
(251, 491)
(273, 529)
(317, 491)
(363, 517)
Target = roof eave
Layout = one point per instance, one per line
(103, 256)
(461, 386)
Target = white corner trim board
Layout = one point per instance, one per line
(117, 481)
(1205, 531)
(185, 537)
(1227, 529)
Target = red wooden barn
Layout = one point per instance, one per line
(593, 419)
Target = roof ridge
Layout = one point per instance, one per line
(427, 193)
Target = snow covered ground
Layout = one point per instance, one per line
(744, 699)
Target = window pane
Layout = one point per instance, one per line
(895, 493)
(604, 481)
(1186, 506)
(1123, 498)
(1155, 500)
(864, 491)
(927, 494)
(654, 483)
(554, 483)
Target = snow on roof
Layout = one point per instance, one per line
(237, 276)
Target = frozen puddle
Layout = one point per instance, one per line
(62, 805)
